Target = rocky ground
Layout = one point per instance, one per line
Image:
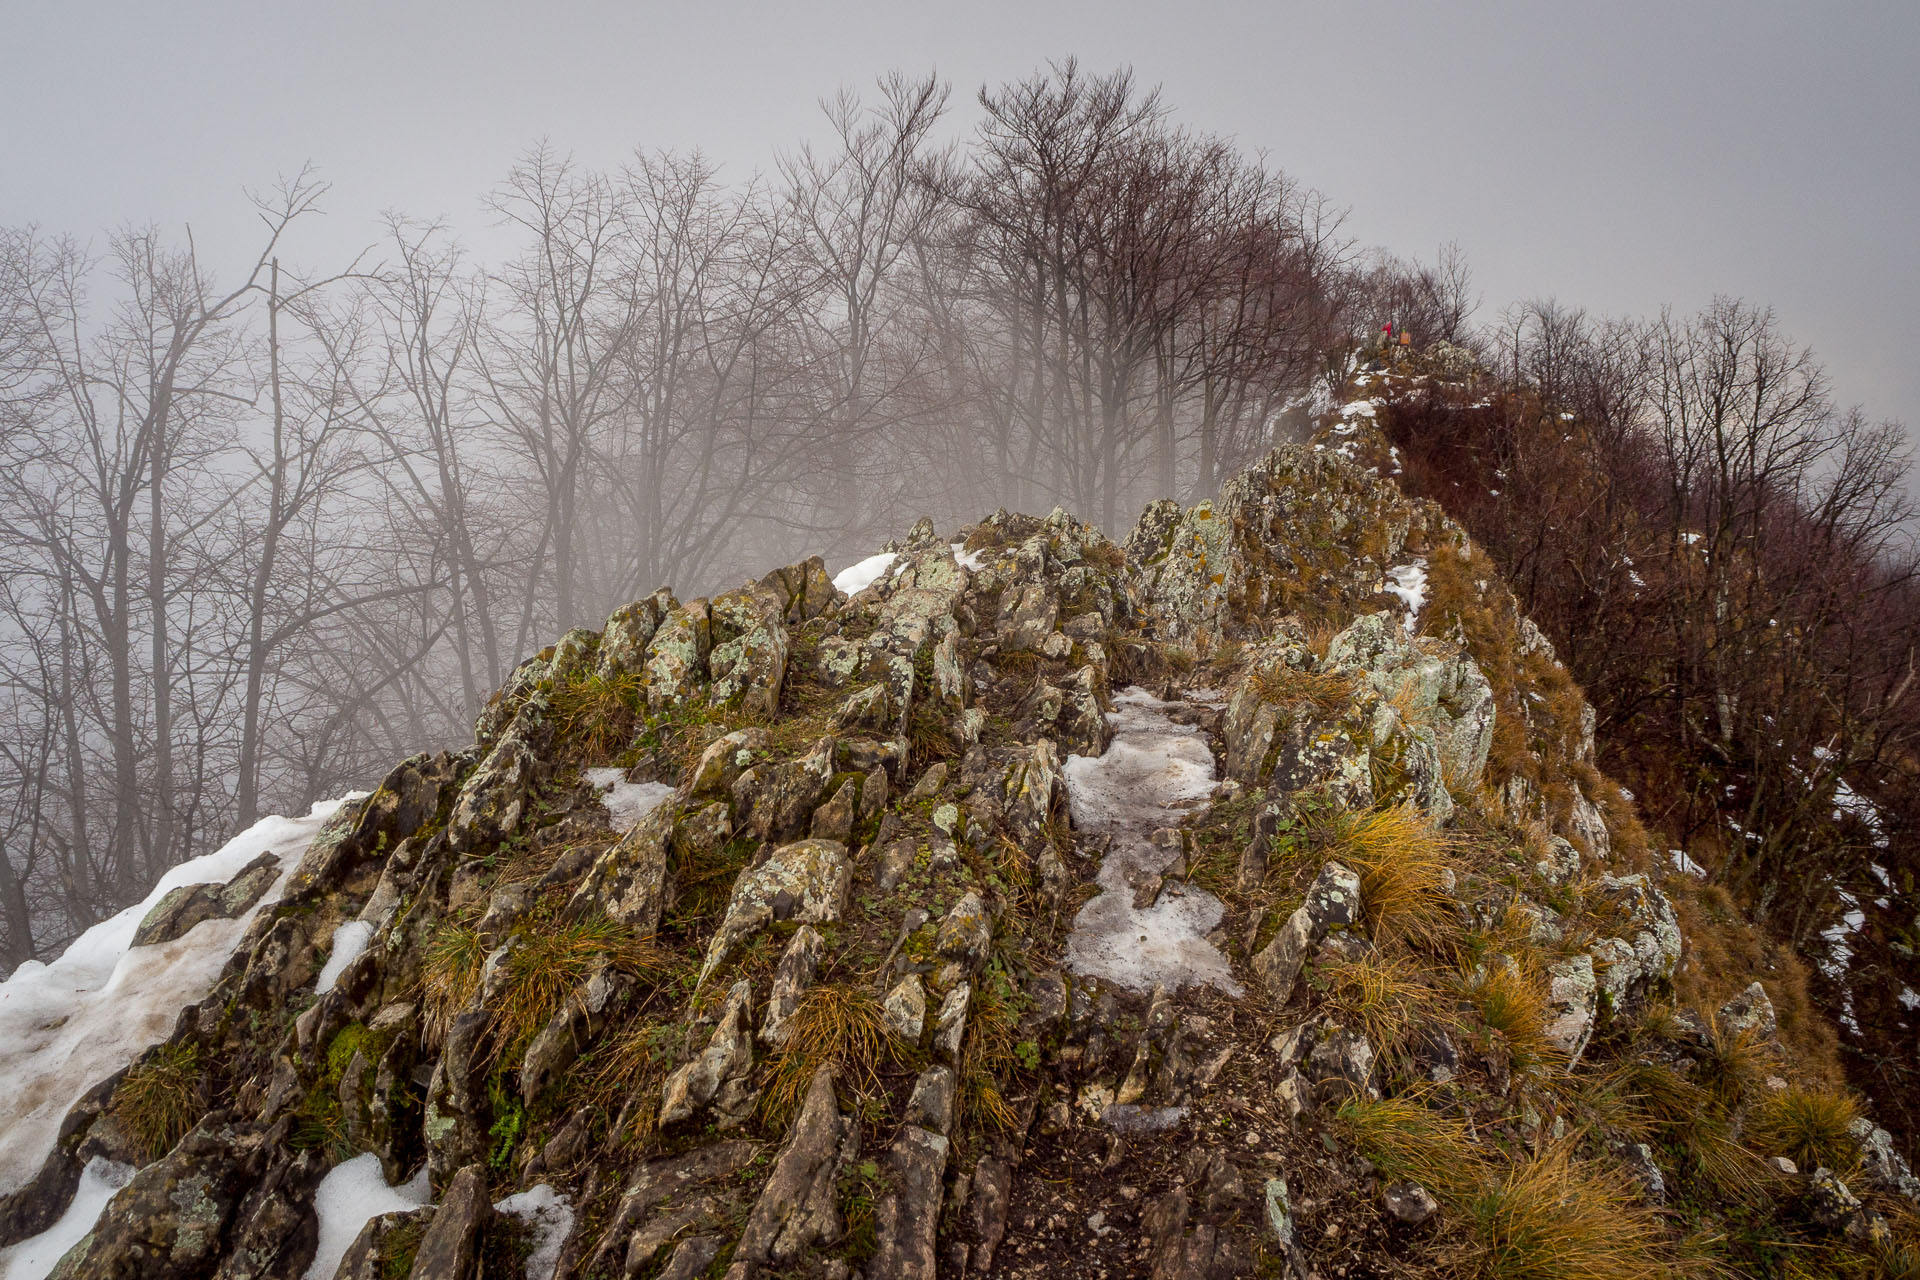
(1346, 961)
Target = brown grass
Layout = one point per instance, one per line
(1808, 1125)
(1405, 863)
(450, 977)
(160, 1098)
(839, 1024)
(1381, 997)
(1406, 1139)
(1555, 1218)
(1513, 1003)
(554, 958)
(1319, 695)
(599, 714)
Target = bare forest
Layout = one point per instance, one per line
(262, 535)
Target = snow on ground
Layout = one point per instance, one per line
(549, 1215)
(1409, 582)
(972, 560)
(66, 1026)
(353, 1193)
(856, 578)
(1154, 773)
(628, 802)
(1683, 863)
(34, 1257)
(349, 940)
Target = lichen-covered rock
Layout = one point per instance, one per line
(775, 801)
(1643, 955)
(629, 630)
(570, 1031)
(494, 797)
(1571, 1001)
(1409, 1202)
(724, 760)
(904, 1012)
(451, 1243)
(1433, 680)
(629, 881)
(677, 656)
(798, 965)
(185, 906)
(1749, 1013)
(1880, 1163)
(1332, 903)
(799, 1207)
(747, 663)
(965, 934)
(805, 882)
(727, 1057)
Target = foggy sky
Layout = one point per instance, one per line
(1617, 156)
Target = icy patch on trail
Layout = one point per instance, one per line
(34, 1257)
(349, 940)
(352, 1194)
(1154, 773)
(66, 1026)
(628, 802)
(857, 577)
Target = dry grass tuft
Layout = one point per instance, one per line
(1406, 1139)
(599, 714)
(838, 1024)
(450, 978)
(1513, 1003)
(1808, 1125)
(1735, 1067)
(160, 1098)
(988, 1059)
(1320, 695)
(1405, 864)
(552, 959)
(1382, 998)
(1553, 1218)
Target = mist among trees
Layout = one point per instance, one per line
(264, 535)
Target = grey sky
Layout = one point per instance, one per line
(1618, 156)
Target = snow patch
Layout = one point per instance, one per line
(1409, 582)
(34, 1257)
(66, 1026)
(856, 578)
(1154, 773)
(351, 1195)
(1683, 863)
(628, 802)
(349, 940)
(550, 1217)
(973, 561)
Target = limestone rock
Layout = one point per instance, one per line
(630, 628)
(677, 655)
(1571, 1001)
(629, 881)
(904, 1011)
(724, 760)
(798, 1208)
(449, 1247)
(1749, 1012)
(805, 882)
(728, 1056)
(747, 663)
(798, 965)
(775, 801)
(1409, 1202)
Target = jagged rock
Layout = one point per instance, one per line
(1644, 956)
(1589, 826)
(494, 797)
(805, 882)
(173, 1219)
(450, 1246)
(930, 782)
(652, 1237)
(1832, 1205)
(964, 937)
(1880, 1163)
(677, 655)
(992, 1184)
(931, 1104)
(834, 819)
(187, 905)
(724, 760)
(1409, 1202)
(1279, 1206)
(658, 1181)
(1749, 1012)
(950, 1027)
(1341, 1060)
(776, 801)
(798, 965)
(1637, 1157)
(1561, 865)
(570, 1031)
(873, 794)
(629, 629)
(799, 1208)
(1332, 902)
(896, 863)
(908, 1215)
(1435, 679)
(804, 590)
(504, 910)
(454, 1124)
(691, 1258)
(728, 1056)
(363, 1259)
(747, 662)
(1571, 1000)
(1435, 1053)
(904, 1011)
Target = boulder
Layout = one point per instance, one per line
(798, 1207)
(805, 882)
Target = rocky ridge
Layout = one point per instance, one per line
(813, 1013)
